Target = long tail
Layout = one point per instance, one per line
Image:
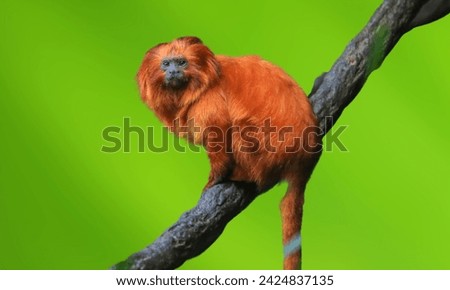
(291, 213)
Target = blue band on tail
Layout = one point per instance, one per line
(292, 246)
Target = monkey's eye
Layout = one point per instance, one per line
(182, 62)
(165, 63)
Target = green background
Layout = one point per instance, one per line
(67, 72)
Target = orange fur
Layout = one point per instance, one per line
(235, 98)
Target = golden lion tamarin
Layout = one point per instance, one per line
(253, 119)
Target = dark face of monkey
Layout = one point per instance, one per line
(174, 71)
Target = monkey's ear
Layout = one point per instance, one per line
(190, 40)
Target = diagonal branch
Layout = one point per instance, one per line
(334, 90)
(198, 228)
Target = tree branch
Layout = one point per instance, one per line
(431, 11)
(334, 90)
(198, 228)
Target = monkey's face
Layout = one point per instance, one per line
(179, 70)
(174, 69)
